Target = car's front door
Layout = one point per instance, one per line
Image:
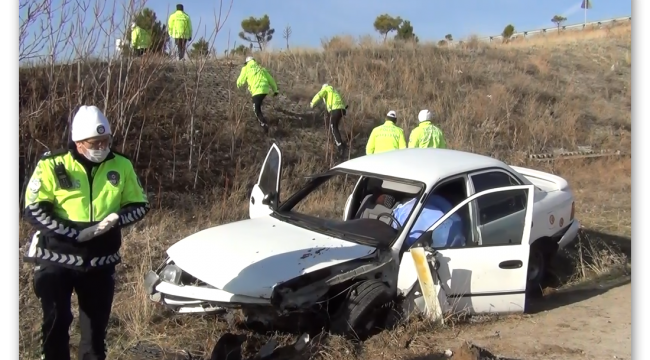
(265, 195)
(488, 276)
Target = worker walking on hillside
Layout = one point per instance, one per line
(140, 39)
(78, 200)
(386, 137)
(426, 135)
(260, 83)
(179, 27)
(336, 110)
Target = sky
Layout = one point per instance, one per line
(431, 20)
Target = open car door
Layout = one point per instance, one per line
(481, 276)
(265, 196)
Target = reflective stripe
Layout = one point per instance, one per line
(47, 221)
(133, 215)
(333, 135)
(52, 256)
(105, 260)
(72, 260)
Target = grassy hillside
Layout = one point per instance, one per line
(494, 100)
(198, 149)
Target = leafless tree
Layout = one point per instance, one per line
(286, 33)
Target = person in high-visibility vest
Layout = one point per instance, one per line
(140, 39)
(260, 83)
(426, 135)
(78, 200)
(336, 110)
(179, 27)
(386, 137)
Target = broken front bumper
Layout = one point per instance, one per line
(194, 299)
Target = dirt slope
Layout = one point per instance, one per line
(188, 128)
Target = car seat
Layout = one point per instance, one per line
(375, 203)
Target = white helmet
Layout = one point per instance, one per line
(392, 115)
(133, 25)
(89, 122)
(248, 58)
(324, 86)
(425, 115)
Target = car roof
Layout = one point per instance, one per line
(427, 165)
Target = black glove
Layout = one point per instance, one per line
(275, 94)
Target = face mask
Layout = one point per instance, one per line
(96, 155)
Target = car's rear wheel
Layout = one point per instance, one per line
(364, 309)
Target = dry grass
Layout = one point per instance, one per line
(194, 142)
(552, 38)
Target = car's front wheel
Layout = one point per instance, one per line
(363, 310)
(537, 269)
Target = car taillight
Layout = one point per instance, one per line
(573, 210)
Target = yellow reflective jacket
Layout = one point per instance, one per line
(385, 137)
(258, 79)
(427, 135)
(331, 97)
(179, 25)
(140, 38)
(66, 193)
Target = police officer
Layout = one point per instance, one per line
(140, 39)
(179, 27)
(386, 137)
(426, 135)
(260, 83)
(78, 200)
(336, 110)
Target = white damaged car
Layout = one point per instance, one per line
(490, 228)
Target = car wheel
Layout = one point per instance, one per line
(536, 271)
(363, 310)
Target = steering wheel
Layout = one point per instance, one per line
(392, 218)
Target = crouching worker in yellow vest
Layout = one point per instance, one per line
(140, 39)
(386, 137)
(260, 83)
(336, 110)
(78, 200)
(426, 135)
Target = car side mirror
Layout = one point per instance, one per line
(271, 200)
(423, 240)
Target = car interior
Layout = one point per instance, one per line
(370, 218)
(382, 196)
(375, 197)
(455, 191)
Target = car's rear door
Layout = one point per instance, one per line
(266, 192)
(486, 277)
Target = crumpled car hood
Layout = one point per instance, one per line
(249, 257)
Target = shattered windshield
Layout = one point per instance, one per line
(329, 204)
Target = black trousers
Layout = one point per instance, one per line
(181, 44)
(334, 119)
(258, 100)
(53, 285)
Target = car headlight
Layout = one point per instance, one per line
(171, 274)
